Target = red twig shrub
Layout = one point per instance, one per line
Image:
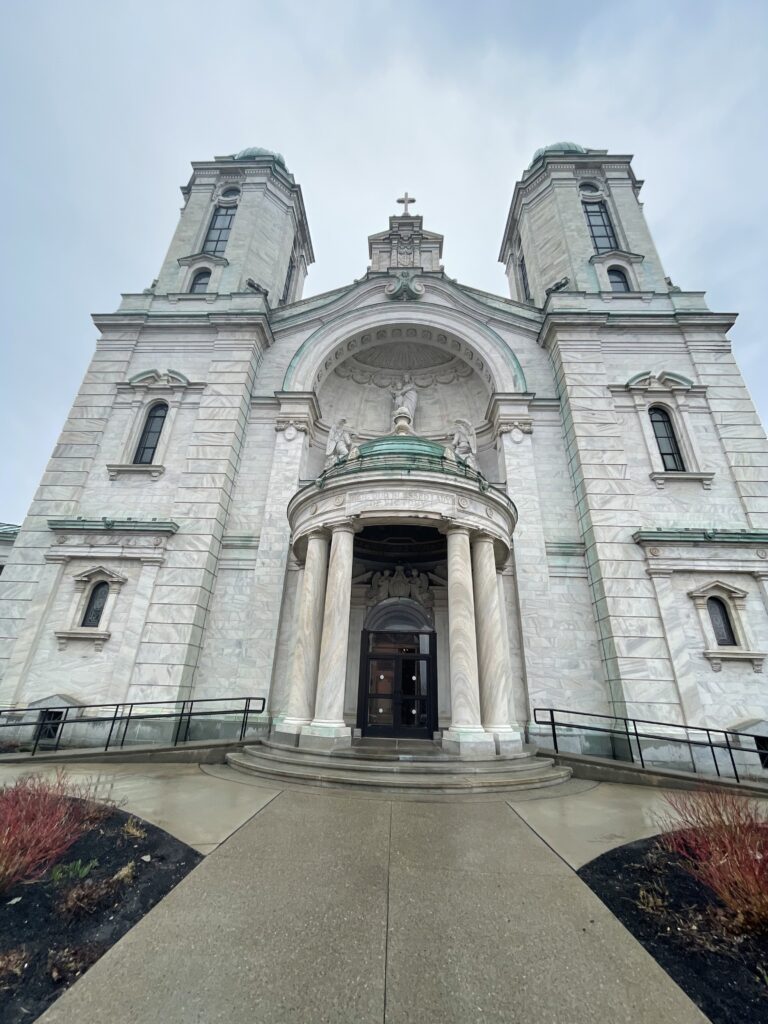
(722, 840)
(40, 818)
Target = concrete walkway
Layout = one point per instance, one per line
(336, 907)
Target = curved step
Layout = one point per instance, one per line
(427, 765)
(423, 782)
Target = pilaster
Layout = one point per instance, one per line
(638, 667)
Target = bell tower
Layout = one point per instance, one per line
(243, 228)
(576, 224)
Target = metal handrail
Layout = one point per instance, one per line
(120, 715)
(667, 733)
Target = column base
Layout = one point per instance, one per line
(507, 740)
(287, 730)
(472, 742)
(325, 736)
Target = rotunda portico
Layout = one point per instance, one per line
(383, 488)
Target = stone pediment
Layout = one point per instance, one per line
(665, 380)
(716, 589)
(159, 378)
(100, 572)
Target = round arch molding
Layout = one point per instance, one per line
(474, 343)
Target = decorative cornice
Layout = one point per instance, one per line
(692, 535)
(116, 525)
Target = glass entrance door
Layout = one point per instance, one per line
(397, 695)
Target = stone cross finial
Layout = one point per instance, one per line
(406, 200)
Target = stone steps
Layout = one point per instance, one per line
(428, 775)
(359, 760)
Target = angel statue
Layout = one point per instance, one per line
(339, 443)
(404, 397)
(464, 443)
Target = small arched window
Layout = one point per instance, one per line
(230, 193)
(669, 449)
(587, 186)
(95, 607)
(618, 280)
(721, 622)
(150, 435)
(200, 282)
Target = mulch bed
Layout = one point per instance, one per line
(55, 932)
(685, 928)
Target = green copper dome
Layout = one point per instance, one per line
(253, 152)
(558, 147)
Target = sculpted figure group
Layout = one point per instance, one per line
(404, 400)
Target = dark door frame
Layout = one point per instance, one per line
(395, 731)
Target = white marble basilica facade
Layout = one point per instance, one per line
(404, 506)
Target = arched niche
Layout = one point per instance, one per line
(472, 340)
(358, 385)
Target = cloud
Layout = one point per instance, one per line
(106, 106)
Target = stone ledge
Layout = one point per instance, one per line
(116, 469)
(661, 479)
(721, 654)
(98, 636)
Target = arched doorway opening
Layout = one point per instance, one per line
(398, 679)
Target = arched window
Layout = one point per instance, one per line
(618, 280)
(150, 435)
(600, 227)
(200, 281)
(721, 622)
(230, 193)
(587, 186)
(218, 232)
(95, 606)
(669, 449)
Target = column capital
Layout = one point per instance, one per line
(481, 537)
(458, 528)
(346, 526)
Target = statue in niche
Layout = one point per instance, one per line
(339, 443)
(404, 400)
(464, 443)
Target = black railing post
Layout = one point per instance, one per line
(246, 712)
(629, 739)
(60, 729)
(554, 729)
(178, 724)
(714, 755)
(111, 728)
(733, 762)
(639, 747)
(38, 732)
(125, 727)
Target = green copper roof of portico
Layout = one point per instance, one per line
(402, 444)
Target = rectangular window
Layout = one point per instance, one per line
(524, 279)
(601, 229)
(218, 232)
(288, 281)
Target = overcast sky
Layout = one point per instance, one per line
(105, 105)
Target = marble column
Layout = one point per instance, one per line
(466, 734)
(327, 727)
(302, 677)
(494, 665)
